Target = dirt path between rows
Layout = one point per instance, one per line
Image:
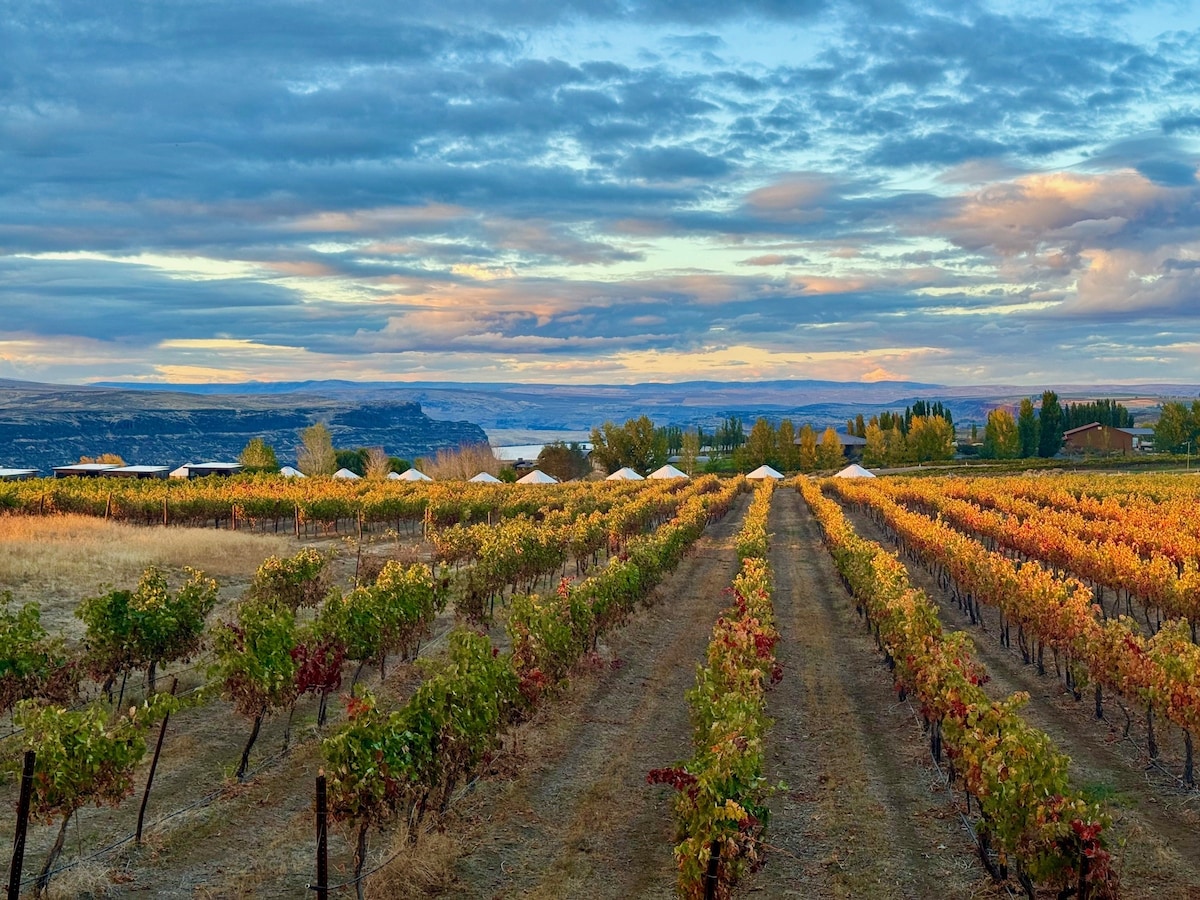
(1155, 821)
(580, 820)
(864, 813)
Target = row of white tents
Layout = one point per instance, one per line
(537, 476)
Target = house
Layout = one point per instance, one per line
(1097, 438)
(852, 444)
(17, 474)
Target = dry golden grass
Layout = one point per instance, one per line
(59, 560)
(89, 879)
(421, 869)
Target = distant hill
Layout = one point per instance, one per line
(45, 425)
(521, 413)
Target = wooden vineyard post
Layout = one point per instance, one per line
(297, 520)
(154, 765)
(18, 854)
(712, 875)
(322, 885)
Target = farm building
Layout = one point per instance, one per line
(84, 470)
(139, 472)
(17, 474)
(852, 444)
(1097, 438)
(199, 470)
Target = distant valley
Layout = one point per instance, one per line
(44, 425)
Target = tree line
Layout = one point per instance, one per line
(1038, 430)
(1178, 427)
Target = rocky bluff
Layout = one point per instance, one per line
(42, 426)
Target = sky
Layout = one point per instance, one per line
(600, 191)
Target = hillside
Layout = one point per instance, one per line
(521, 413)
(44, 425)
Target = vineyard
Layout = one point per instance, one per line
(888, 687)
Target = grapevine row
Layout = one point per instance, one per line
(720, 808)
(406, 763)
(1162, 672)
(1155, 580)
(1027, 809)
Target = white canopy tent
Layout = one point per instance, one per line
(667, 471)
(291, 472)
(346, 474)
(537, 476)
(854, 470)
(764, 471)
(625, 474)
(485, 478)
(409, 475)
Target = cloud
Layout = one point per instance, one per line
(622, 186)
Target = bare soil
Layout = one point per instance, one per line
(1156, 829)
(864, 813)
(580, 820)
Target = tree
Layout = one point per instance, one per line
(1027, 429)
(111, 459)
(1174, 427)
(258, 456)
(354, 460)
(789, 453)
(829, 453)
(807, 454)
(1050, 426)
(377, 464)
(1001, 440)
(673, 435)
(875, 453)
(566, 462)
(760, 448)
(689, 452)
(730, 435)
(315, 455)
(930, 438)
(636, 444)
(461, 462)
